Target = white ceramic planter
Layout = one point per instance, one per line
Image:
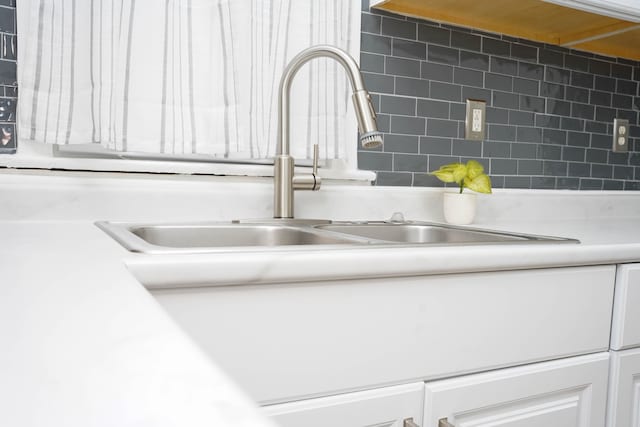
(459, 209)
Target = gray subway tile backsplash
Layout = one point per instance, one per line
(402, 67)
(605, 83)
(530, 71)
(409, 162)
(408, 49)
(398, 105)
(446, 91)
(503, 66)
(550, 109)
(8, 20)
(402, 143)
(398, 179)
(412, 87)
(408, 125)
(496, 47)
(576, 62)
(434, 109)
(439, 72)
(442, 128)
(443, 55)
(372, 62)
(8, 77)
(434, 34)
(473, 60)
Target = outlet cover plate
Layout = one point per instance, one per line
(620, 135)
(474, 127)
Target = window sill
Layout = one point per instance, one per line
(31, 156)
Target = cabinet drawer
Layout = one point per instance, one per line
(625, 330)
(291, 341)
(565, 393)
(383, 407)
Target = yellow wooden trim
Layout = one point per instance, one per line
(624, 45)
(598, 33)
(494, 27)
(534, 20)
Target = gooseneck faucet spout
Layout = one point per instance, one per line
(284, 180)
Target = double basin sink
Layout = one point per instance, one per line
(301, 233)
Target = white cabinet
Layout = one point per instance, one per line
(383, 407)
(625, 329)
(624, 389)
(564, 393)
(622, 9)
(285, 342)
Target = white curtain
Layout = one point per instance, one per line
(183, 76)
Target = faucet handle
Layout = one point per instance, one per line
(316, 155)
(309, 181)
(317, 181)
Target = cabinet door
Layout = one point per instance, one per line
(383, 407)
(563, 393)
(624, 389)
(625, 329)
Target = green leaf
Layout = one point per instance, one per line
(459, 172)
(453, 172)
(480, 184)
(443, 175)
(469, 176)
(474, 169)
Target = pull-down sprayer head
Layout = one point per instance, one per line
(370, 137)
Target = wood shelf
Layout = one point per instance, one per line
(533, 20)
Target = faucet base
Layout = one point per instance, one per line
(283, 190)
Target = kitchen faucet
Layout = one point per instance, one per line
(285, 182)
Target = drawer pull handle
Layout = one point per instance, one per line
(408, 422)
(444, 423)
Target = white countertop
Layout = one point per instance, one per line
(85, 344)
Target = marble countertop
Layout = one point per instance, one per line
(83, 339)
(85, 344)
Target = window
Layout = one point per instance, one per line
(189, 80)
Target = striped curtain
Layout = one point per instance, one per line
(183, 76)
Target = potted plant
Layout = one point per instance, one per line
(460, 208)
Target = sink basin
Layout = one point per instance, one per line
(274, 234)
(218, 236)
(427, 233)
(188, 236)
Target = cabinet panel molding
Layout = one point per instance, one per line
(564, 393)
(625, 329)
(623, 408)
(383, 407)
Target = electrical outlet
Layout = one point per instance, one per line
(475, 120)
(620, 135)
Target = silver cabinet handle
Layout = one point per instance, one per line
(408, 422)
(444, 423)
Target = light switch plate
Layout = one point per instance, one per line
(474, 127)
(620, 135)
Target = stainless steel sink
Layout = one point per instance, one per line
(429, 233)
(163, 238)
(277, 234)
(223, 235)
